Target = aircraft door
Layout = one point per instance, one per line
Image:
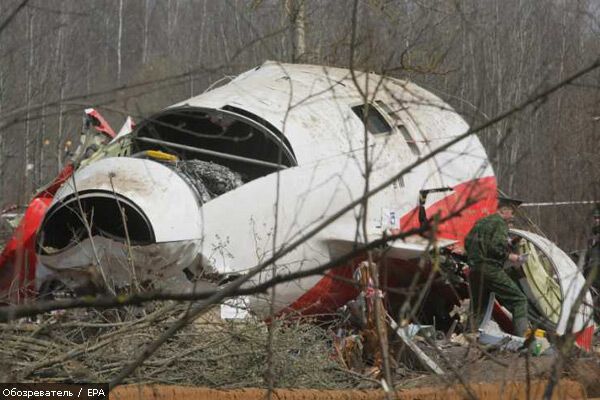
(552, 283)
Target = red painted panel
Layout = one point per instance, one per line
(18, 259)
(102, 126)
(584, 338)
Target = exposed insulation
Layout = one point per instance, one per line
(209, 179)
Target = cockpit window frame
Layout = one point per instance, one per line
(373, 110)
(400, 126)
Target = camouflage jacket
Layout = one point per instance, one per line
(487, 242)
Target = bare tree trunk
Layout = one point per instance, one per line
(297, 15)
(300, 36)
(199, 47)
(120, 38)
(61, 92)
(28, 159)
(40, 148)
(146, 21)
(172, 21)
(88, 70)
(108, 34)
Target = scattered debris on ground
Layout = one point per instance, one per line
(90, 345)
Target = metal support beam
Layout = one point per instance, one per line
(211, 153)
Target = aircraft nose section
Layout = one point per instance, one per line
(130, 216)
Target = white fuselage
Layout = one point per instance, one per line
(312, 108)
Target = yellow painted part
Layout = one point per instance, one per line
(538, 333)
(543, 286)
(159, 155)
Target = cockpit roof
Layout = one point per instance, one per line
(306, 101)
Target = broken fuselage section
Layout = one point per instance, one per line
(131, 215)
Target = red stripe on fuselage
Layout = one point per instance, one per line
(332, 292)
(480, 193)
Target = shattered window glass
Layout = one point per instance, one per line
(375, 122)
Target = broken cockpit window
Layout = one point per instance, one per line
(228, 137)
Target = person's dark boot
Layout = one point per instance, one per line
(520, 326)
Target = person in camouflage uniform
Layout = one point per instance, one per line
(592, 258)
(487, 247)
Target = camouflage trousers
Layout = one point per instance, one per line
(485, 279)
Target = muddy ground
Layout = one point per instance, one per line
(472, 366)
(565, 390)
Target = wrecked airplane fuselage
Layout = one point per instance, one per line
(295, 136)
(210, 187)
